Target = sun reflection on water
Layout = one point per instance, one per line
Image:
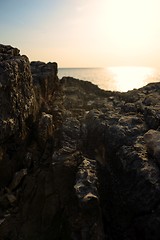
(127, 78)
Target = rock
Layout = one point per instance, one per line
(76, 162)
(45, 83)
(45, 128)
(8, 52)
(129, 107)
(16, 95)
(87, 194)
(113, 135)
(86, 183)
(17, 107)
(17, 179)
(11, 198)
(152, 116)
(152, 140)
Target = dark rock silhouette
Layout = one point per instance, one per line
(76, 162)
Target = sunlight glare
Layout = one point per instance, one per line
(129, 31)
(127, 78)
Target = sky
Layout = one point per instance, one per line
(84, 33)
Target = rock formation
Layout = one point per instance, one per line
(76, 162)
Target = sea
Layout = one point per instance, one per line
(121, 78)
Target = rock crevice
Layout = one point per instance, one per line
(76, 162)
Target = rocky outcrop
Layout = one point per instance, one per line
(17, 105)
(76, 162)
(45, 82)
(117, 131)
(26, 141)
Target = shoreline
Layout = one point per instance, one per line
(76, 161)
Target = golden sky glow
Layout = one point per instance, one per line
(84, 33)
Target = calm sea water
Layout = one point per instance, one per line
(114, 78)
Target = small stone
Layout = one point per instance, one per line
(18, 178)
(11, 198)
(152, 140)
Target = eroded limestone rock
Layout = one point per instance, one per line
(152, 139)
(76, 162)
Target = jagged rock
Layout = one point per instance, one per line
(86, 184)
(8, 52)
(152, 116)
(152, 139)
(11, 198)
(17, 179)
(17, 106)
(45, 128)
(17, 101)
(45, 83)
(129, 179)
(20, 108)
(76, 162)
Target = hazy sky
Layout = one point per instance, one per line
(84, 33)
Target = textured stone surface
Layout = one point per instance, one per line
(76, 162)
(115, 133)
(16, 95)
(152, 139)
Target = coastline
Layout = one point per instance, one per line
(76, 161)
(116, 78)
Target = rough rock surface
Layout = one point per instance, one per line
(76, 162)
